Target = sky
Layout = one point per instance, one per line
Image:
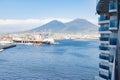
(22, 15)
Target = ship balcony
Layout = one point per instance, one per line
(104, 40)
(104, 74)
(104, 30)
(104, 48)
(113, 25)
(103, 66)
(104, 63)
(104, 77)
(104, 20)
(113, 42)
(106, 52)
(103, 56)
(113, 7)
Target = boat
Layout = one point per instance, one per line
(1, 50)
(48, 41)
(6, 44)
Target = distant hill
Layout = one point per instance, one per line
(81, 25)
(53, 26)
(75, 26)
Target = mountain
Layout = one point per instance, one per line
(81, 25)
(54, 26)
(75, 26)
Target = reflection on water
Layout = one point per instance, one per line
(69, 60)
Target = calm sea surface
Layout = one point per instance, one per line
(69, 60)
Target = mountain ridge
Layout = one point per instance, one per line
(74, 26)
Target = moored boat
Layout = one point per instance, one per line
(6, 44)
(48, 41)
(1, 50)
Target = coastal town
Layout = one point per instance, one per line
(11, 40)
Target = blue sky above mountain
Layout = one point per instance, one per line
(22, 15)
(39, 9)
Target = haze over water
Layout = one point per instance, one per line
(69, 60)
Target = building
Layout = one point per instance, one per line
(109, 65)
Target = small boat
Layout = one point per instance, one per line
(49, 41)
(6, 44)
(1, 50)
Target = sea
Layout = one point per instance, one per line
(68, 60)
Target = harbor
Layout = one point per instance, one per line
(39, 38)
(11, 40)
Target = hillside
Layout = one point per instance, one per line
(75, 26)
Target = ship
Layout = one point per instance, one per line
(6, 45)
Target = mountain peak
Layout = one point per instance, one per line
(79, 20)
(75, 26)
(55, 21)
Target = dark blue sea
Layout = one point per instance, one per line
(69, 60)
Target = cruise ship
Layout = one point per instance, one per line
(109, 19)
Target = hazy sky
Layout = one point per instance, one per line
(27, 14)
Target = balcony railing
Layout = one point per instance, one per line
(112, 6)
(106, 77)
(113, 24)
(103, 67)
(104, 29)
(104, 39)
(113, 41)
(103, 76)
(103, 48)
(102, 56)
(103, 18)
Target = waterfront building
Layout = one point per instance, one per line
(109, 66)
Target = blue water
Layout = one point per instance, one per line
(69, 60)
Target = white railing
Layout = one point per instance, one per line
(113, 70)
